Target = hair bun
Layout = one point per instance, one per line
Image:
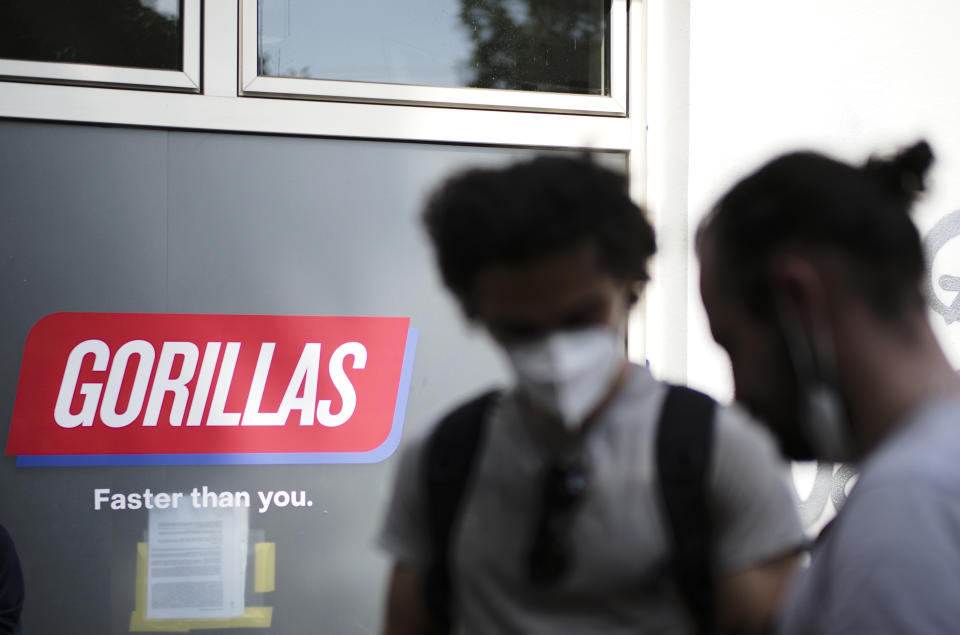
(904, 173)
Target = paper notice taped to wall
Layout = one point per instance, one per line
(197, 562)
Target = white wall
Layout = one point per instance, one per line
(663, 70)
(847, 77)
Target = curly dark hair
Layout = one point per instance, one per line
(860, 214)
(520, 213)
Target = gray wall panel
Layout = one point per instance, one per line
(110, 220)
(121, 220)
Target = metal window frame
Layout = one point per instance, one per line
(252, 84)
(187, 80)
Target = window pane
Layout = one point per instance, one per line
(136, 33)
(535, 45)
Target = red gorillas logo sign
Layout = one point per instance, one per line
(120, 389)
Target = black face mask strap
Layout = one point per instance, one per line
(819, 404)
(799, 348)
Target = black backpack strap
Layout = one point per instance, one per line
(684, 440)
(449, 456)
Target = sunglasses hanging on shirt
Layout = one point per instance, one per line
(564, 485)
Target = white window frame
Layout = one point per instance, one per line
(187, 80)
(615, 104)
(220, 104)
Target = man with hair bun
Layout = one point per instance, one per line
(589, 497)
(811, 274)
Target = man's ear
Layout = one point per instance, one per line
(796, 280)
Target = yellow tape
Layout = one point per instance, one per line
(253, 616)
(265, 567)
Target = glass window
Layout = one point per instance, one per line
(128, 43)
(563, 56)
(532, 45)
(141, 34)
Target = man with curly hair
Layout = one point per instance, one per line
(559, 524)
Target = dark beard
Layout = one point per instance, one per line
(793, 443)
(788, 428)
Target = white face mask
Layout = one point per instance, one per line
(568, 373)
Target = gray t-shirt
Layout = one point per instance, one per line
(890, 562)
(617, 582)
